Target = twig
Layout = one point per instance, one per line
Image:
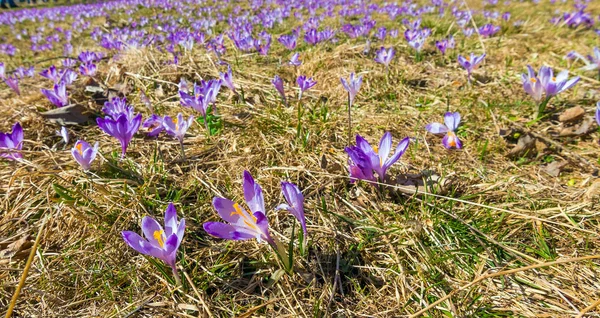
(588, 308)
(13, 301)
(187, 277)
(507, 272)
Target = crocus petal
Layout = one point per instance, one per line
(295, 199)
(385, 146)
(570, 83)
(452, 120)
(226, 231)
(153, 232)
(436, 128)
(400, 150)
(253, 193)
(170, 220)
(135, 241)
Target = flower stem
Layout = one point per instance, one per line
(349, 120)
(182, 150)
(177, 278)
(542, 107)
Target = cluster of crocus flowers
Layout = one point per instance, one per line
(244, 225)
(84, 153)
(159, 242)
(545, 83)
(364, 159)
(451, 122)
(11, 143)
(121, 122)
(470, 63)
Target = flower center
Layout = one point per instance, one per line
(159, 236)
(249, 222)
(533, 80)
(78, 147)
(452, 139)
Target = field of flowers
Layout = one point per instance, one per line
(300, 158)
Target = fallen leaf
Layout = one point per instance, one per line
(572, 114)
(554, 168)
(584, 128)
(525, 145)
(69, 115)
(17, 250)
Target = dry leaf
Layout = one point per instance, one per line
(17, 250)
(68, 115)
(572, 114)
(525, 145)
(585, 128)
(554, 168)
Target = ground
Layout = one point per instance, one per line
(390, 250)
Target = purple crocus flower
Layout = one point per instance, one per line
(159, 242)
(242, 224)
(278, 84)
(445, 44)
(123, 128)
(555, 85)
(532, 84)
(359, 165)
(295, 203)
(598, 113)
(289, 41)
(469, 63)
(58, 96)
(84, 154)
(294, 60)
(352, 85)
(52, 74)
(450, 140)
(69, 63)
(384, 56)
(177, 126)
(13, 83)
(2, 71)
(488, 30)
(227, 80)
(305, 84)
(68, 76)
(117, 106)
(11, 143)
(379, 159)
(154, 125)
(88, 69)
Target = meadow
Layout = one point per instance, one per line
(270, 158)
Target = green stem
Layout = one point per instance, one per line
(542, 107)
(282, 253)
(349, 120)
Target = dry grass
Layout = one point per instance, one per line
(375, 255)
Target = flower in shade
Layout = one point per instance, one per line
(305, 83)
(159, 242)
(13, 83)
(227, 80)
(242, 225)
(379, 156)
(295, 60)
(384, 56)
(177, 126)
(84, 154)
(469, 63)
(554, 85)
(352, 85)
(58, 96)
(154, 125)
(122, 128)
(451, 122)
(278, 84)
(64, 134)
(532, 84)
(11, 143)
(295, 203)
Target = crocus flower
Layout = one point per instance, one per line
(598, 113)
(159, 242)
(13, 83)
(532, 84)
(379, 159)
(11, 143)
(359, 163)
(58, 96)
(52, 74)
(227, 80)
(117, 106)
(294, 60)
(122, 128)
(352, 85)
(242, 224)
(289, 41)
(445, 44)
(177, 127)
(2, 71)
(88, 69)
(68, 76)
(295, 203)
(154, 125)
(84, 154)
(64, 134)
(555, 85)
(305, 84)
(384, 56)
(469, 63)
(450, 140)
(278, 84)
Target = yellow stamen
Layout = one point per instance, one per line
(250, 222)
(79, 146)
(533, 80)
(159, 236)
(452, 139)
(554, 79)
